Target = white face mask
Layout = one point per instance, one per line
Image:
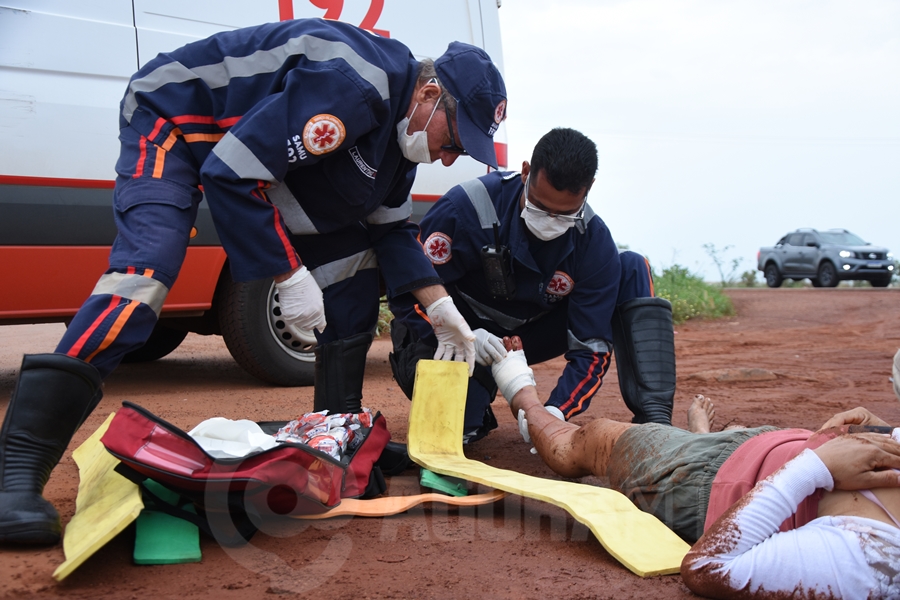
(414, 146)
(544, 227)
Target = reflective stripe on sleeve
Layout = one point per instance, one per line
(133, 287)
(344, 268)
(241, 159)
(262, 61)
(293, 214)
(383, 215)
(481, 201)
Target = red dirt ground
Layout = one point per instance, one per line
(829, 350)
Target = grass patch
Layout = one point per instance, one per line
(691, 297)
(383, 327)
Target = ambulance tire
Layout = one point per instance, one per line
(161, 343)
(249, 319)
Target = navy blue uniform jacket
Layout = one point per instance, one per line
(292, 128)
(578, 272)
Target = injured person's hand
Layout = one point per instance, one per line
(512, 374)
(854, 416)
(862, 461)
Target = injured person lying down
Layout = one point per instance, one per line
(773, 512)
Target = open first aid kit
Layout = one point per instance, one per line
(301, 467)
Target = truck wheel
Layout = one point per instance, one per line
(161, 342)
(773, 277)
(827, 275)
(250, 320)
(881, 281)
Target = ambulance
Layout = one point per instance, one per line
(64, 67)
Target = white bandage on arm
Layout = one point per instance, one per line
(512, 374)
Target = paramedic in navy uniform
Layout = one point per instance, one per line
(568, 290)
(304, 136)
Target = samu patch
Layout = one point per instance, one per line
(560, 285)
(323, 133)
(437, 248)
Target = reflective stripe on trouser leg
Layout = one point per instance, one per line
(105, 329)
(343, 263)
(351, 306)
(154, 219)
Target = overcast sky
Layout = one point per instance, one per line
(721, 122)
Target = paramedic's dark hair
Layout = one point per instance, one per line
(568, 159)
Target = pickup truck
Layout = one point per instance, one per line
(826, 258)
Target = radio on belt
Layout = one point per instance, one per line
(496, 261)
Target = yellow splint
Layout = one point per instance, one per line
(106, 503)
(393, 505)
(636, 539)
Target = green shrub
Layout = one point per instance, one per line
(383, 327)
(691, 297)
(748, 278)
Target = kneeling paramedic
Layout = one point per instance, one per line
(522, 254)
(304, 136)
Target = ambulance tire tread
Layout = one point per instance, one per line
(244, 322)
(161, 343)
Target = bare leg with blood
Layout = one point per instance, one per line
(568, 449)
(575, 451)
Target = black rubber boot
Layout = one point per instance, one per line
(408, 351)
(340, 367)
(644, 344)
(53, 396)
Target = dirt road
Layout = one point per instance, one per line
(818, 351)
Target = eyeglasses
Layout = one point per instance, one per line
(452, 147)
(569, 218)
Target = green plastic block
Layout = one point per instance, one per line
(448, 485)
(162, 539)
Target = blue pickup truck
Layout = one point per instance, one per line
(826, 258)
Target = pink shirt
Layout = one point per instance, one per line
(756, 459)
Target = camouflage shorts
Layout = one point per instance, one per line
(668, 472)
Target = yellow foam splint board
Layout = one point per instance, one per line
(106, 503)
(636, 539)
(393, 505)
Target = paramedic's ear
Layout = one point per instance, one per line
(526, 168)
(428, 92)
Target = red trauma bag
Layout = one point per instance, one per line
(290, 479)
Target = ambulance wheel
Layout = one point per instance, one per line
(161, 342)
(251, 325)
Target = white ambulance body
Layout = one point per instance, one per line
(64, 67)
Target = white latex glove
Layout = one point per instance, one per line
(455, 340)
(523, 423)
(488, 348)
(301, 305)
(512, 374)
